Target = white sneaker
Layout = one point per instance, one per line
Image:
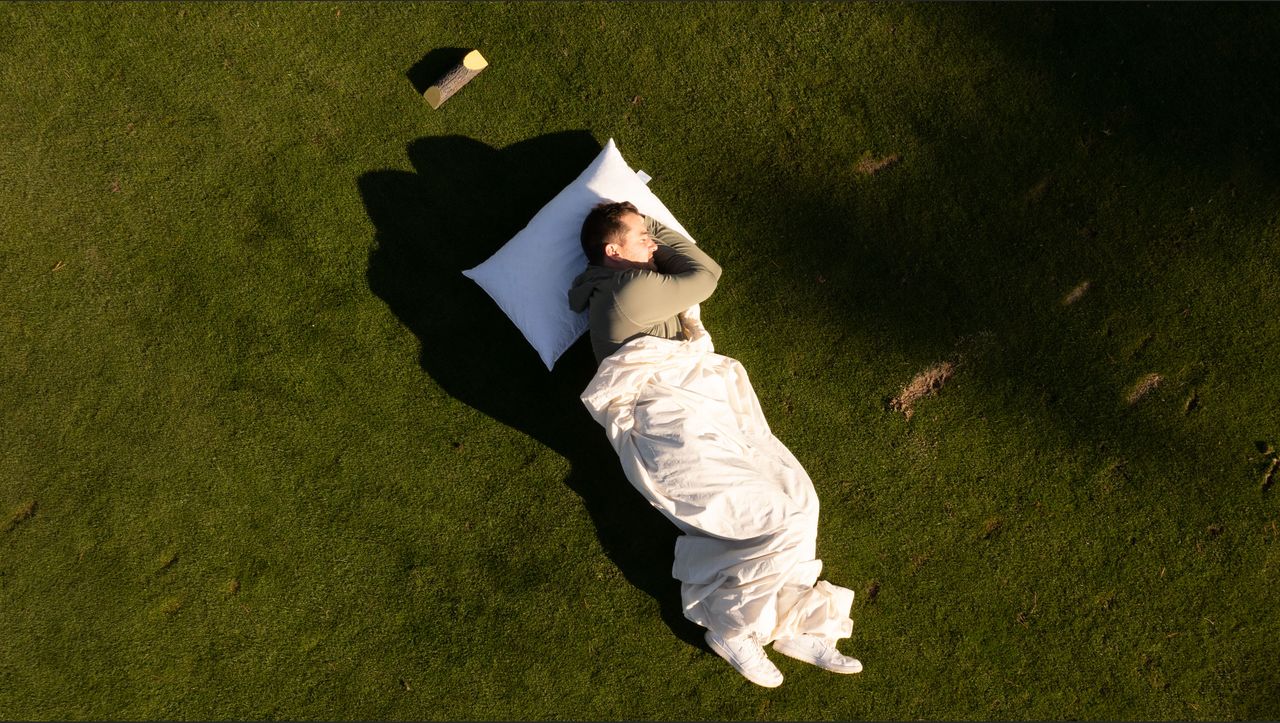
(819, 651)
(747, 657)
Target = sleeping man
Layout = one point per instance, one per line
(692, 438)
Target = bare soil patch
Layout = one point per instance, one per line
(1075, 294)
(1192, 403)
(924, 384)
(1037, 191)
(1143, 388)
(872, 590)
(870, 166)
(21, 515)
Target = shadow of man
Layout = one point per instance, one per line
(462, 202)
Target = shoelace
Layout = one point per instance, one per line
(754, 651)
(817, 647)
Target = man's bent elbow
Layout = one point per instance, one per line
(709, 285)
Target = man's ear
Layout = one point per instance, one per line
(611, 250)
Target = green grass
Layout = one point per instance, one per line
(268, 455)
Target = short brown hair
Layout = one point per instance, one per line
(601, 225)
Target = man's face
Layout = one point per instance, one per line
(634, 247)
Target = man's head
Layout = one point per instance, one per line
(614, 235)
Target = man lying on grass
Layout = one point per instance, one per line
(691, 437)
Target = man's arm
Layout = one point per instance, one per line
(677, 254)
(686, 276)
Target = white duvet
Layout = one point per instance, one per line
(691, 436)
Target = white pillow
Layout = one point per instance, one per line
(530, 275)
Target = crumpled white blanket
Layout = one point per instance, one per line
(691, 436)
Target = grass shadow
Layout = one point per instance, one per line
(1189, 84)
(1177, 102)
(464, 201)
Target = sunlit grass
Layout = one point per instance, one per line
(268, 455)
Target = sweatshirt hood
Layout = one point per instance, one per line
(586, 283)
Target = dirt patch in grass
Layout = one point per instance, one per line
(167, 562)
(1075, 294)
(1144, 387)
(1192, 403)
(868, 165)
(171, 606)
(872, 591)
(1141, 346)
(1037, 191)
(21, 515)
(991, 527)
(1023, 618)
(1271, 460)
(924, 384)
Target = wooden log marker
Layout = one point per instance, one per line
(457, 76)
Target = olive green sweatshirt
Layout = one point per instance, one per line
(624, 304)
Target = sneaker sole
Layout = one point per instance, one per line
(728, 657)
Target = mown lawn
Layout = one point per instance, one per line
(267, 454)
